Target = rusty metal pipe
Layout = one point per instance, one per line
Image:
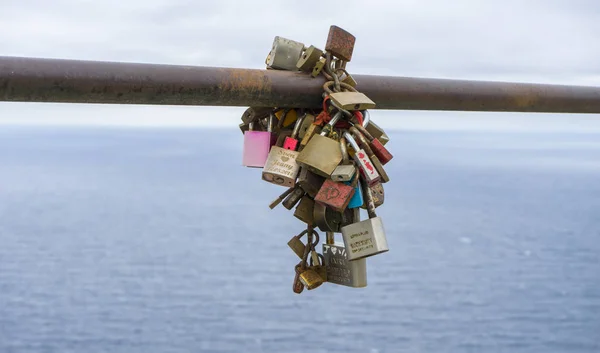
(72, 81)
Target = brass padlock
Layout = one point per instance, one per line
(319, 66)
(352, 100)
(322, 154)
(311, 278)
(298, 246)
(349, 80)
(291, 115)
(308, 121)
(311, 131)
(309, 58)
(317, 263)
(375, 130)
(310, 182)
(305, 210)
(327, 219)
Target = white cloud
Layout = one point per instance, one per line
(509, 40)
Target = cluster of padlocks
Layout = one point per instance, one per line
(331, 161)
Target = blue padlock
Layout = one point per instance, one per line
(356, 200)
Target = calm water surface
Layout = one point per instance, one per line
(150, 240)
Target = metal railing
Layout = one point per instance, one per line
(72, 81)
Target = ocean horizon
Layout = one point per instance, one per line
(158, 240)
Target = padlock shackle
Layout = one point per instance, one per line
(330, 238)
(351, 141)
(346, 113)
(270, 120)
(299, 122)
(329, 126)
(362, 141)
(366, 117)
(344, 149)
(364, 132)
(368, 198)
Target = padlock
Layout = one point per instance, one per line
(319, 66)
(293, 198)
(317, 263)
(285, 54)
(253, 114)
(352, 100)
(349, 79)
(310, 182)
(310, 132)
(349, 216)
(362, 141)
(290, 117)
(308, 120)
(346, 170)
(310, 278)
(297, 286)
(298, 246)
(365, 238)
(340, 43)
(281, 197)
(322, 154)
(305, 210)
(378, 195)
(379, 150)
(281, 167)
(357, 199)
(327, 219)
(374, 129)
(309, 58)
(367, 170)
(339, 269)
(244, 127)
(257, 145)
(281, 137)
(335, 195)
(291, 143)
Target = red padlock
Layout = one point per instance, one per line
(379, 150)
(335, 195)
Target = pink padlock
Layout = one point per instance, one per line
(291, 142)
(257, 145)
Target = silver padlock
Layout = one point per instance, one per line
(285, 54)
(365, 238)
(345, 171)
(339, 269)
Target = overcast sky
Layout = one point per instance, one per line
(547, 41)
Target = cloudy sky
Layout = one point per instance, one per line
(549, 41)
